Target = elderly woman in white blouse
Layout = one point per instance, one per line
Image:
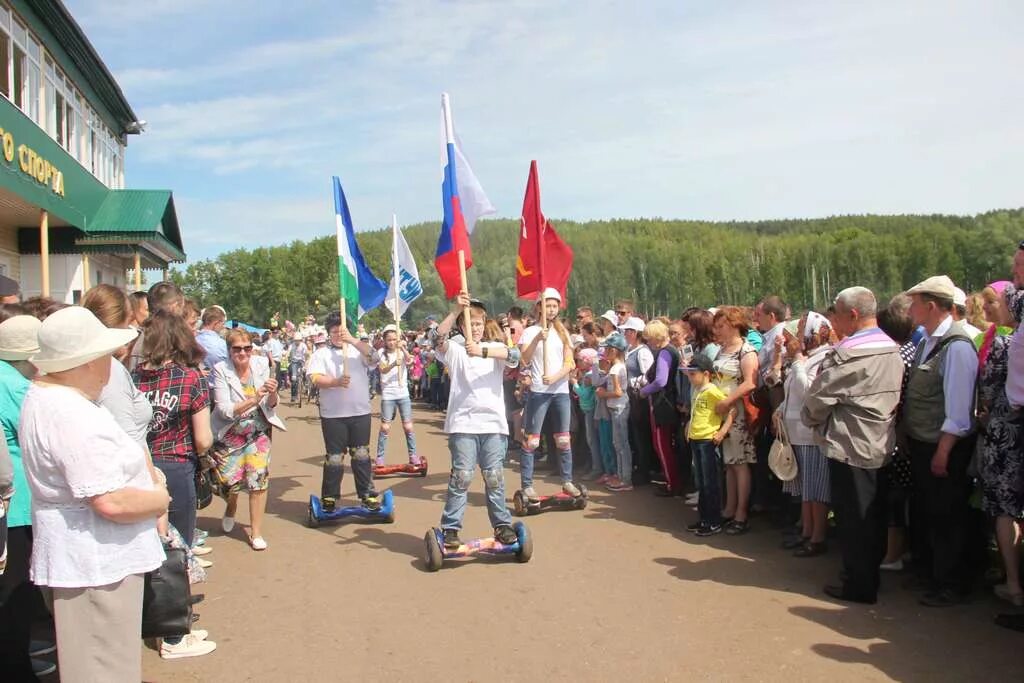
(94, 501)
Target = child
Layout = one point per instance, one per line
(476, 425)
(587, 394)
(614, 394)
(706, 431)
(394, 394)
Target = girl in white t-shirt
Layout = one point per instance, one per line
(617, 402)
(394, 367)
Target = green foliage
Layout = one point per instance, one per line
(665, 265)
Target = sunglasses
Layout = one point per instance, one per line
(621, 312)
(240, 349)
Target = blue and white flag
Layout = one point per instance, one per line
(405, 278)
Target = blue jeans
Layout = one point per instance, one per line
(537, 406)
(607, 445)
(620, 438)
(388, 406)
(707, 471)
(294, 370)
(181, 485)
(468, 451)
(594, 441)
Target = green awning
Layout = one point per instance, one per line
(137, 216)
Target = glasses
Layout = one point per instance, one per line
(240, 349)
(621, 312)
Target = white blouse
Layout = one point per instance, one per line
(73, 450)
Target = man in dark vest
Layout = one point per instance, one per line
(938, 422)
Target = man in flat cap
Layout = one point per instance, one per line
(938, 421)
(10, 292)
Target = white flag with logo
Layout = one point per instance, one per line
(405, 279)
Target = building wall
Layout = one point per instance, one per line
(66, 275)
(10, 260)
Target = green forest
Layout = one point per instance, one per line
(664, 265)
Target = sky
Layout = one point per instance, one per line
(674, 109)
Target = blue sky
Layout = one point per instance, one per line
(711, 110)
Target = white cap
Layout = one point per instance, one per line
(959, 298)
(633, 323)
(550, 293)
(610, 316)
(73, 336)
(389, 328)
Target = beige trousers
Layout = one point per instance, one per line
(98, 632)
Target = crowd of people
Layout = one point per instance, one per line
(892, 430)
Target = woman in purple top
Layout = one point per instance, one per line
(660, 391)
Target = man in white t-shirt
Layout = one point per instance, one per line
(475, 424)
(394, 393)
(549, 390)
(339, 370)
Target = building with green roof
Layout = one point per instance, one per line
(66, 220)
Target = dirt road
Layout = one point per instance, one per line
(617, 590)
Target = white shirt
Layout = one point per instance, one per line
(394, 384)
(617, 370)
(476, 404)
(129, 406)
(74, 450)
(275, 348)
(338, 401)
(554, 349)
(798, 382)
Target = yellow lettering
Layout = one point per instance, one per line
(23, 161)
(58, 183)
(38, 167)
(8, 147)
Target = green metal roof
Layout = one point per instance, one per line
(72, 39)
(137, 214)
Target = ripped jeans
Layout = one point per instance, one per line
(468, 451)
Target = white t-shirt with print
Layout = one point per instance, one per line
(394, 384)
(554, 349)
(73, 450)
(338, 401)
(617, 370)
(476, 404)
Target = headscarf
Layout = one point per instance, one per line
(999, 287)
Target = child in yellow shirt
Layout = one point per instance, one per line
(705, 432)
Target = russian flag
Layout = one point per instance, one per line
(454, 236)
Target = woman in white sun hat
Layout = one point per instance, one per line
(94, 500)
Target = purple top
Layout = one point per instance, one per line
(661, 378)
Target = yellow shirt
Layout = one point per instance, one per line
(704, 421)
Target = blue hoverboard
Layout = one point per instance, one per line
(317, 514)
(436, 552)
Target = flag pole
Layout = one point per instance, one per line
(394, 275)
(466, 332)
(341, 287)
(540, 263)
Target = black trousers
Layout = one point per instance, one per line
(20, 602)
(859, 499)
(940, 515)
(641, 441)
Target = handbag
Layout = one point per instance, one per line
(204, 490)
(781, 459)
(752, 411)
(167, 598)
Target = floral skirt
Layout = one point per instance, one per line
(247, 467)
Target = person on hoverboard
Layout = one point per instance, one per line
(394, 382)
(476, 425)
(339, 370)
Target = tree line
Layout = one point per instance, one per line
(664, 265)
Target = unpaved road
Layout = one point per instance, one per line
(617, 591)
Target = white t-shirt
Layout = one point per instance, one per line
(617, 370)
(554, 349)
(337, 401)
(129, 406)
(476, 404)
(72, 450)
(394, 384)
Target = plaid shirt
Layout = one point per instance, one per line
(176, 393)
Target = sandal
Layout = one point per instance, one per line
(737, 528)
(811, 550)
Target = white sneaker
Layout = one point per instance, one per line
(258, 543)
(200, 633)
(530, 493)
(227, 524)
(190, 646)
(895, 566)
(571, 489)
(205, 564)
(692, 498)
(201, 550)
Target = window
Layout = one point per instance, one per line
(5, 61)
(18, 67)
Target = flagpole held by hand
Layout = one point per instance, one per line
(465, 288)
(394, 275)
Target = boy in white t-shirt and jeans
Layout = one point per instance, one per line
(476, 425)
(340, 371)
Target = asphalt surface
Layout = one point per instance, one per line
(616, 591)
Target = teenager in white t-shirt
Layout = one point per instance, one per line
(394, 393)
(344, 411)
(548, 392)
(476, 425)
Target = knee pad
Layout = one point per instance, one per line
(532, 442)
(494, 477)
(333, 459)
(385, 428)
(460, 479)
(407, 426)
(360, 453)
(562, 441)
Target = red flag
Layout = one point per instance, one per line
(544, 259)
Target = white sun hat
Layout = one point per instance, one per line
(610, 316)
(633, 323)
(19, 337)
(73, 336)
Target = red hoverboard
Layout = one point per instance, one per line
(560, 501)
(405, 469)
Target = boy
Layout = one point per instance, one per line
(476, 425)
(706, 431)
(340, 371)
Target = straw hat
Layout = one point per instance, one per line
(19, 337)
(73, 336)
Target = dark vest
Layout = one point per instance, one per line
(924, 399)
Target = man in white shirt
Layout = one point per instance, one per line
(275, 350)
(339, 370)
(476, 425)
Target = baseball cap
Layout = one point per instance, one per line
(615, 341)
(700, 363)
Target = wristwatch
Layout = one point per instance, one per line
(483, 351)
